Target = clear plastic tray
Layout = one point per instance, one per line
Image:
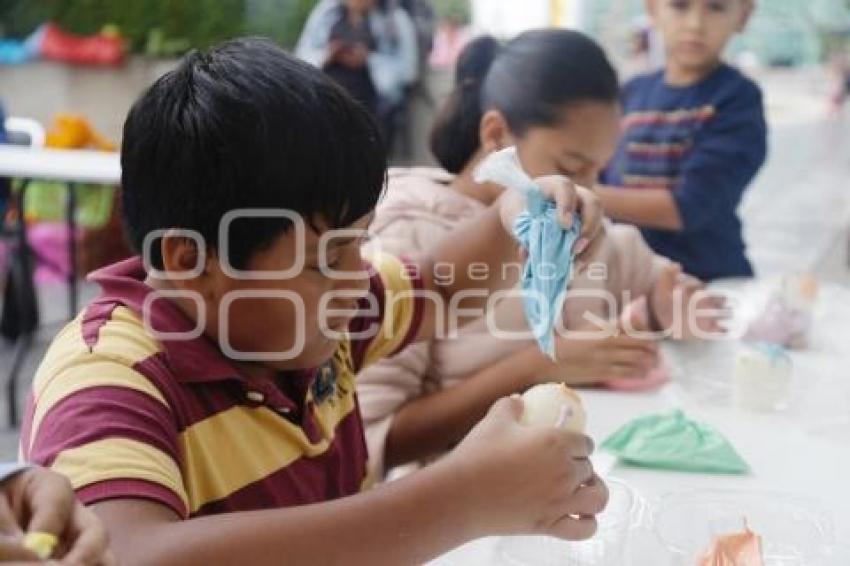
(606, 548)
(794, 531)
(836, 555)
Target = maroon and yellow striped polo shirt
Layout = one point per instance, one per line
(126, 416)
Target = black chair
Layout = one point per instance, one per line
(19, 319)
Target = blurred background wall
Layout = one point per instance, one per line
(783, 33)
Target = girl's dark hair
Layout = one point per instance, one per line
(454, 135)
(530, 81)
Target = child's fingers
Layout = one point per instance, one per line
(713, 303)
(715, 327)
(680, 273)
(12, 550)
(506, 409)
(51, 500)
(590, 499)
(574, 528)
(581, 245)
(562, 191)
(620, 371)
(566, 207)
(720, 304)
(8, 523)
(707, 297)
(625, 344)
(689, 280)
(91, 542)
(590, 209)
(578, 447)
(565, 201)
(11, 536)
(634, 364)
(572, 200)
(586, 250)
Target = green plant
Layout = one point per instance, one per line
(19, 18)
(162, 27)
(458, 11)
(280, 20)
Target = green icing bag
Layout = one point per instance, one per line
(675, 442)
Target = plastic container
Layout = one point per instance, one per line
(763, 378)
(606, 548)
(703, 369)
(836, 555)
(794, 531)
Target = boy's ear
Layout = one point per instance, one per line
(183, 260)
(494, 132)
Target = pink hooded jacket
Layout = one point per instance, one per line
(419, 210)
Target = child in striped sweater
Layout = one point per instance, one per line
(694, 138)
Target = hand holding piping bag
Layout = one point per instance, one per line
(572, 202)
(553, 221)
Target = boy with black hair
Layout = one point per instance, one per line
(204, 404)
(694, 137)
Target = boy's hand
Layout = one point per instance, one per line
(570, 200)
(673, 296)
(522, 480)
(38, 500)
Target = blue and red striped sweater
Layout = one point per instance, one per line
(705, 143)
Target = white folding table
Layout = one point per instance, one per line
(802, 452)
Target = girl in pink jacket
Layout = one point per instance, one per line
(554, 95)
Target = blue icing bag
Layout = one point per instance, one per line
(547, 272)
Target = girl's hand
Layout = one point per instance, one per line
(684, 308)
(570, 199)
(586, 361)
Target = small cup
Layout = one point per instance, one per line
(762, 378)
(606, 548)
